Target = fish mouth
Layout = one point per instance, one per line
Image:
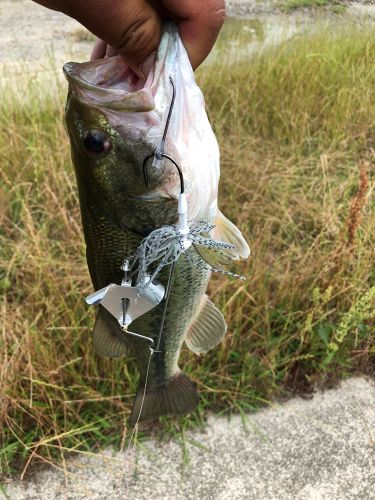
(103, 75)
(110, 83)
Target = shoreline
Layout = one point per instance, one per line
(32, 34)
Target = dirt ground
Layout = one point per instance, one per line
(32, 36)
(30, 33)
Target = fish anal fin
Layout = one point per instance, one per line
(105, 340)
(177, 397)
(226, 231)
(207, 329)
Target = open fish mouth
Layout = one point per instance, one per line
(110, 83)
(111, 73)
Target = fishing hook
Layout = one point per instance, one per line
(159, 154)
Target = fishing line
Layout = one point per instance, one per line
(143, 400)
(135, 428)
(152, 351)
(158, 157)
(159, 154)
(161, 248)
(167, 294)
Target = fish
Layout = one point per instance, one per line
(114, 121)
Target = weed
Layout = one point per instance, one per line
(358, 203)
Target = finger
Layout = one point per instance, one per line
(99, 51)
(199, 23)
(111, 51)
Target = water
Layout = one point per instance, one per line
(32, 36)
(242, 38)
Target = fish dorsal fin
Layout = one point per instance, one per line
(226, 231)
(207, 329)
(105, 340)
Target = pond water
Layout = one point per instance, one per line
(242, 38)
(38, 41)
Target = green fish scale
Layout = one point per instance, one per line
(107, 247)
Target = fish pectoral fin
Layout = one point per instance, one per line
(214, 257)
(226, 231)
(207, 329)
(176, 397)
(105, 340)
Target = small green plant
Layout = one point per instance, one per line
(362, 312)
(338, 8)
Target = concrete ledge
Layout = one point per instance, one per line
(323, 448)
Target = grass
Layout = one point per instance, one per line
(296, 128)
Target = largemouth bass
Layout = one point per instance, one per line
(115, 120)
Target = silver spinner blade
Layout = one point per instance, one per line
(123, 303)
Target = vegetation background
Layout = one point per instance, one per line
(296, 126)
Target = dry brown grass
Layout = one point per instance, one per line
(358, 203)
(294, 129)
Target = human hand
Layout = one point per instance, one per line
(132, 28)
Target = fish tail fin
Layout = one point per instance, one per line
(177, 397)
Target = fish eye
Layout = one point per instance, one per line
(97, 143)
